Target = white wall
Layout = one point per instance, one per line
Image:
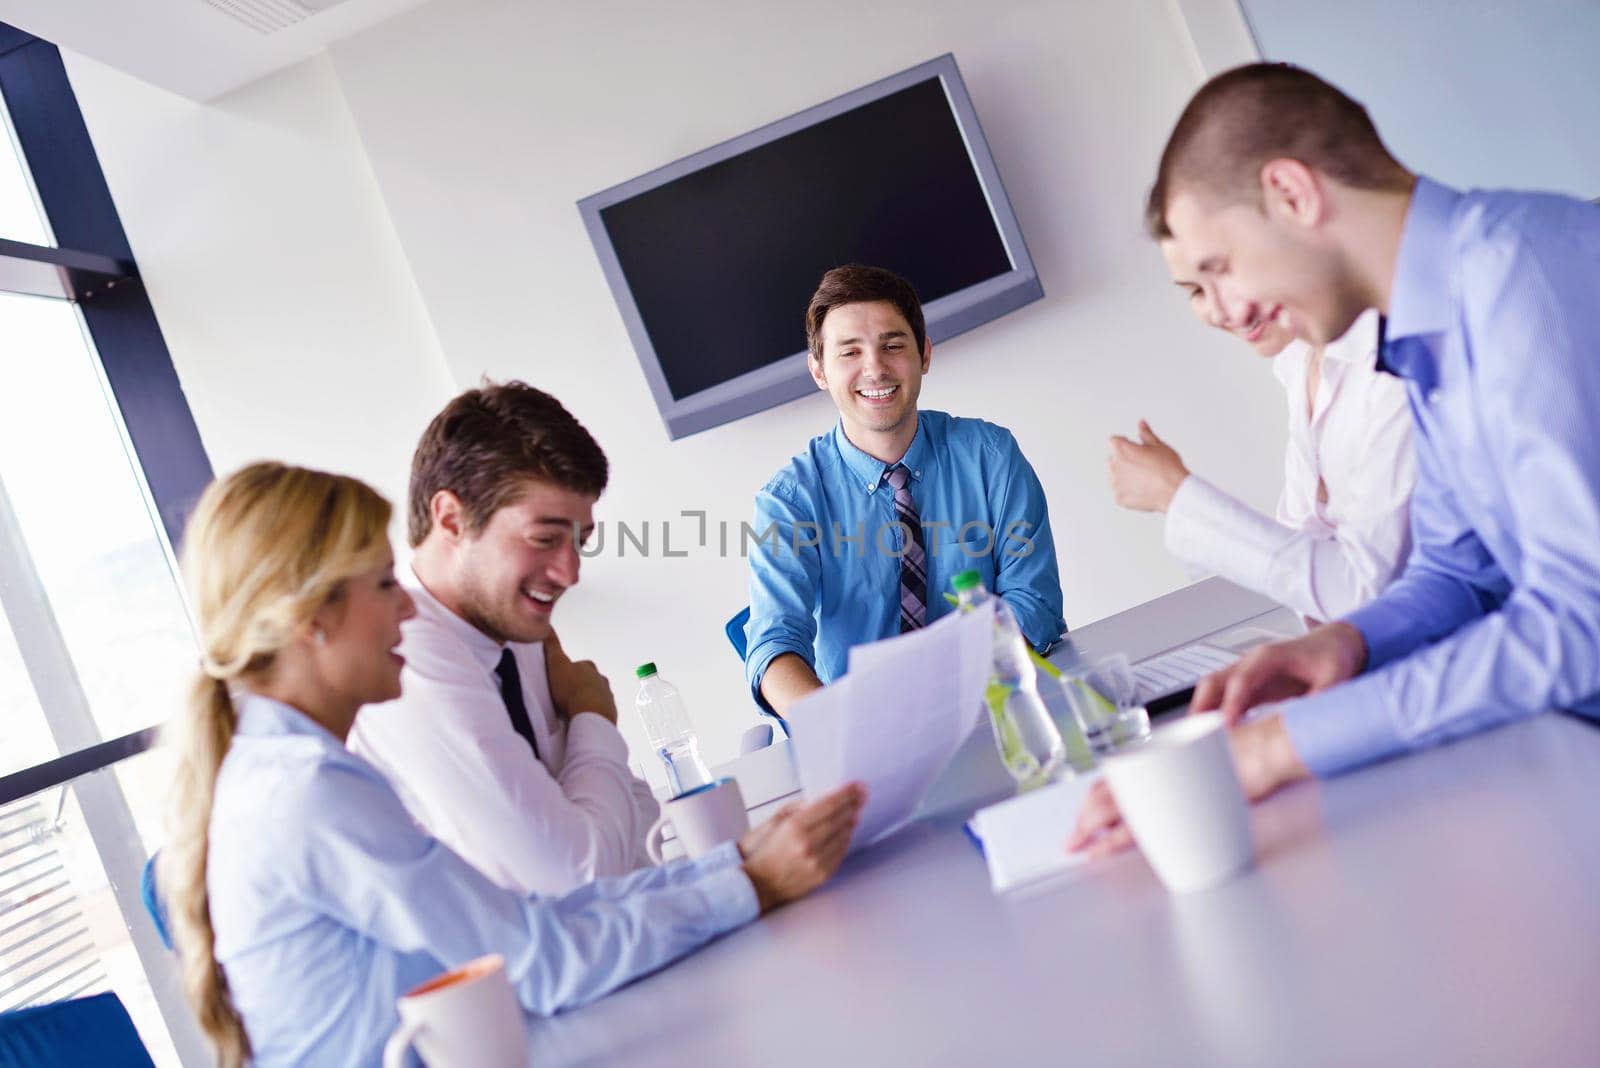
(485, 123)
(304, 239)
(1475, 95)
(281, 288)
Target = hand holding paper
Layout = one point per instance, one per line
(895, 720)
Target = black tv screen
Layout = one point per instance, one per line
(713, 259)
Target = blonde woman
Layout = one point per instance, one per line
(304, 898)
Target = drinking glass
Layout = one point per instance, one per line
(1103, 697)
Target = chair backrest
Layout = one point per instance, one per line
(152, 899)
(88, 1031)
(735, 630)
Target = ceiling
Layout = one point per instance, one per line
(197, 48)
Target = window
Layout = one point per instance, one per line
(80, 513)
(63, 929)
(20, 217)
(99, 464)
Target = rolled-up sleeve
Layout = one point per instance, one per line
(784, 576)
(1026, 575)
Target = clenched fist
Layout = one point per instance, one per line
(1145, 474)
(576, 686)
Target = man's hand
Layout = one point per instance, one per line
(1145, 473)
(576, 686)
(1325, 657)
(1262, 756)
(801, 847)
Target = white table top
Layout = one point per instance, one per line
(1434, 910)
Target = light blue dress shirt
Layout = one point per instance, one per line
(329, 902)
(1494, 323)
(829, 575)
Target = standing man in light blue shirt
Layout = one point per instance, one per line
(1277, 185)
(840, 562)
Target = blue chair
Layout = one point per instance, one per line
(734, 629)
(88, 1031)
(152, 899)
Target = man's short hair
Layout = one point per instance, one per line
(857, 284)
(488, 443)
(1249, 115)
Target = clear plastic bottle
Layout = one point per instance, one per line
(671, 731)
(1029, 743)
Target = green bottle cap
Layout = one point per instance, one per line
(966, 580)
(644, 671)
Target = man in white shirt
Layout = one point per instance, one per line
(501, 746)
(1342, 529)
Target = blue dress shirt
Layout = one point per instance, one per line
(1494, 324)
(329, 902)
(828, 576)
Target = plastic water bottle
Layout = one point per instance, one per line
(667, 723)
(1030, 745)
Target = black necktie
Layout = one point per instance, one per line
(1383, 343)
(511, 694)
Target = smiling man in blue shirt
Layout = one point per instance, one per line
(1277, 185)
(863, 531)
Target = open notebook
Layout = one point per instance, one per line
(1024, 838)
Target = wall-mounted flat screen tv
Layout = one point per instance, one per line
(712, 259)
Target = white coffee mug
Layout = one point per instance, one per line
(467, 1016)
(1180, 796)
(702, 818)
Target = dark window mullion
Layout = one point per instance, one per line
(66, 172)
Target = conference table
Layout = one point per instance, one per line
(1434, 910)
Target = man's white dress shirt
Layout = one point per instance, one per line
(1342, 530)
(540, 825)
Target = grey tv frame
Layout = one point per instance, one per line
(787, 378)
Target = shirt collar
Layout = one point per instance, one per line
(1359, 345)
(484, 649)
(868, 471)
(261, 717)
(1419, 303)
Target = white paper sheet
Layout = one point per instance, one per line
(895, 719)
(1024, 838)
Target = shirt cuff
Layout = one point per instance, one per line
(762, 658)
(592, 733)
(726, 855)
(729, 895)
(1388, 634)
(1340, 729)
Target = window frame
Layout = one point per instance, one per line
(94, 266)
(119, 318)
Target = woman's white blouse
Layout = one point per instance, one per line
(1342, 530)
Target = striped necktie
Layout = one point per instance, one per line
(913, 560)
